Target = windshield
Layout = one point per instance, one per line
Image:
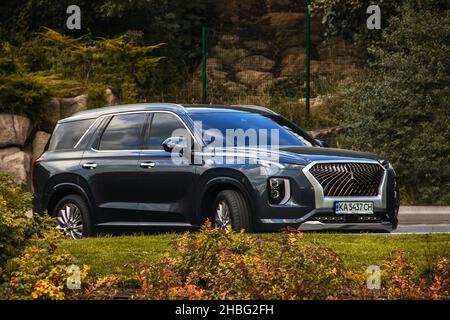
(244, 130)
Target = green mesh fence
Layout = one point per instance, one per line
(258, 65)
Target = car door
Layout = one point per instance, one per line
(110, 167)
(167, 186)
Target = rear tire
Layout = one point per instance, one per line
(73, 217)
(230, 208)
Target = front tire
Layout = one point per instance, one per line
(231, 209)
(72, 214)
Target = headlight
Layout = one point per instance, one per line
(279, 190)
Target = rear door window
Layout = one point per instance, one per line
(67, 134)
(124, 132)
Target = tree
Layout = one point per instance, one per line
(401, 110)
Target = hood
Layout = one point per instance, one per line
(310, 154)
(302, 155)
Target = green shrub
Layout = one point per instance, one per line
(29, 266)
(401, 109)
(222, 264)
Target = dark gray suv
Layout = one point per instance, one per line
(169, 165)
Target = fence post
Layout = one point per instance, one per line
(203, 64)
(308, 43)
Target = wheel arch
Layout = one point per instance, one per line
(61, 190)
(217, 184)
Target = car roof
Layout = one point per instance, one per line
(95, 113)
(235, 107)
(189, 108)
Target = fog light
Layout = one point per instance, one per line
(279, 190)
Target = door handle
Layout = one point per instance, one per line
(89, 165)
(147, 165)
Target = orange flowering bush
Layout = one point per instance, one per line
(400, 282)
(216, 264)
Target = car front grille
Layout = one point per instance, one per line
(353, 179)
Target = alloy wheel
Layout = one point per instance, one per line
(223, 215)
(70, 221)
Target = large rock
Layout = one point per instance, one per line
(293, 62)
(59, 108)
(230, 56)
(234, 87)
(229, 40)
(14, 130)
(111, 99)
(283, 20)
(253, 78)
(15, 162)
(256, 46)
(39, 142)
(51, 113)
(69, 106)
(258, 63)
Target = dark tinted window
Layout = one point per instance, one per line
(67, 134)
(123, 132)
(230, 121)
(163, 125)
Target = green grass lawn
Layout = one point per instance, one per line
(107, 255)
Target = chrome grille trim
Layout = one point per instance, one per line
(322, 201)
(351, 179)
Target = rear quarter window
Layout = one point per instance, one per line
(67, 134)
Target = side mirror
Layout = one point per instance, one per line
(322, 143)
(178, 143)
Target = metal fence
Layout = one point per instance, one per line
(248, 67)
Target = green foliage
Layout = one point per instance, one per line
(348, 18)
(29, 266)
(401, 110)
(121, 64)
(22, 91)
(175, 22)
(51, 64)
(222, 264)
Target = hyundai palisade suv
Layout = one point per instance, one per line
(169, 165)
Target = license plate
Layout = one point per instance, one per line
(353, 207)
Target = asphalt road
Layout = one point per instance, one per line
(423, 219)
(422, 229)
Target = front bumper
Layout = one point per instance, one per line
(319, 226)
(321, 215)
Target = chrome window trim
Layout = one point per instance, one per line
(379, 201)
(85, 133)
(133, 112)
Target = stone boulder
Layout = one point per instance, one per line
(14, 130)
(15, 162)
(258, 63)
(70, 106)
(59, 108)
(51, 113)
(229, 40)
(39, 142)
(111, 99)
(293, 62)
(283, 20)
(230, 56)
(256, 46)
(217, 76)
(234, 87)
(253, 78)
